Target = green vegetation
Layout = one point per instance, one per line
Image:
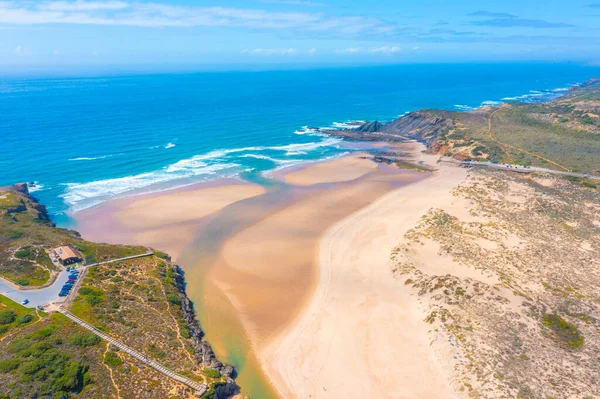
(561, 134)
(85, 339)
(48, 356)
(7, 316)
(212, 373)
(93, 296)
(112, 359)
(25, 234)
(37, 362)
(565, 331)
(212, 390)
(12, 315)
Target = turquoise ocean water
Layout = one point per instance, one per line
(85, 140)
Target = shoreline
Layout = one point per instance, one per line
(235, 266)
(299, 354)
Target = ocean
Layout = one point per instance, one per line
(85, 140)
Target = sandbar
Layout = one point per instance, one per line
(363, 333)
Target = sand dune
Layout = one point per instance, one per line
(363, 334)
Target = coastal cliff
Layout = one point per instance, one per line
(545, 134)
(141, 302)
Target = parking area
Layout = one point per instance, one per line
(39, 297)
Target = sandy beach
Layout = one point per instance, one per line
(363, 334)
(339, 170)
(303, 269)
(165, 220)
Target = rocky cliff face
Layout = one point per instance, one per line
(28, 202)
(422, 126)
(204, 353)
(370, 127)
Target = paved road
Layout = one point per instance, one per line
(40, 297)
(45, 296)
(520, 168)
(199, 388)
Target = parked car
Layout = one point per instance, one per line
(25, 302)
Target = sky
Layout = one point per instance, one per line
(233, 34)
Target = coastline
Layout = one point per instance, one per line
(218, 272)
(354, 299)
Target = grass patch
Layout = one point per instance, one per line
(565, 331)
(14, 315)
(85, 339)
(112, 359)
(211, 373)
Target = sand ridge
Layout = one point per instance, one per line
(363, 334)
(343, 169)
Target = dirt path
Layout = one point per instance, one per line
(502, 145)
(110, 373)
(177, 329)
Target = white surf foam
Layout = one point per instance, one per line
(309, 131)
(170, 145)
(348, 124)
(490, 102)
(464, 107)
(279, 162)
(81, 195)
(90, 158)
(216, 163)
(36, 187)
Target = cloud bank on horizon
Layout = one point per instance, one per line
(230, 32)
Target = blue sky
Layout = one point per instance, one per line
(163, 34)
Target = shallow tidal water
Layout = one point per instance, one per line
(244, 302)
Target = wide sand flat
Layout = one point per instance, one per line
(339, 170)
(181, 206)
(166, 221)
(363, 334)
(271, 266)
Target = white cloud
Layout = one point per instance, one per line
(18, 49)
(376, 50)
(80, 5)
(385, 50)
(312, 51)
(349, 50)
(271, 51)
(297, 3)
(135, 13)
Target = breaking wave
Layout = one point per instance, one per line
(211, 165)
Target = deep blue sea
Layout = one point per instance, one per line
(84, 140)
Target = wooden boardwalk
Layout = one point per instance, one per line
(120, 259)
(199, 388)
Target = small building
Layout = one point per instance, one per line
(67, 255)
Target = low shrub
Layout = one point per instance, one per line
(112, 359)
(24, 252)
(174, 299)
(25, 319)
(85, 339)
(9, 365)
(7, 316)
(211, 373)
(565, 331)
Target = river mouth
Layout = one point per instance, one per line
(252, 266)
